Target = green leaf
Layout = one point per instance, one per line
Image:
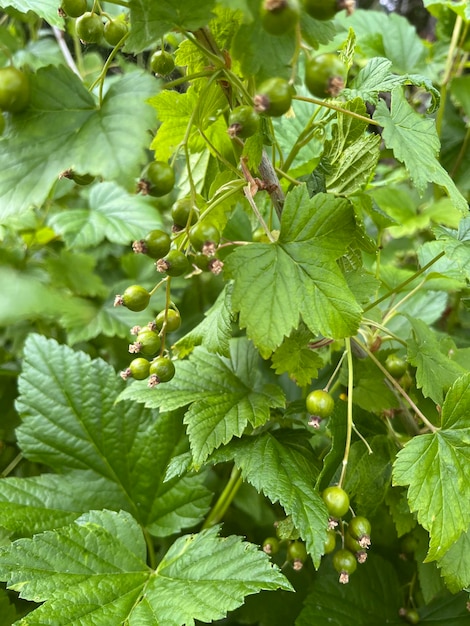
(351, 155)
(114, 214)
(282, 466)
(219, 573)
(455, 565)
(369, 476)
(260, 54)
(390, 36)
(435, 368)
(47, 9)
(71, 422)
(74, 133)
(372, 596)
(373, 78)
(397, 503)
(94, 571)
(151, 20)
(32, 505)
(224, 394)
(297, 358)
(214, 332)
(75, 272)
(436, 467)
(415, 143)
(299, 269)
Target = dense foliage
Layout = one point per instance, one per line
(234, 273)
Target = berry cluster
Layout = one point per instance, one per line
(149, 343)
(355, 534)
(90, 26)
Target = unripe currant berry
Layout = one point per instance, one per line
(359, 528)
(345, 564)
(330, 542)
(134, 298)
(336, 500)
(320, 403)
(172, 317)
(271, 545)
(175, 263)
(138, 369)
(161, 370)
(297, 554)
(148, 343)
(155, 245)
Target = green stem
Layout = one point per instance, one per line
(448, 72)
(406, 282)
(335, 107)
(188, 79)
(151, 557)
(349, 425)
(399, 388)
(225, 499)
(11, 466)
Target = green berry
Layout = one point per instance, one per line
(114, 31)
(345, 564)
(274, 97)
(148, 342)
(14, 90)
(173, 320)
(74, 8)
(175, 263)
(330, 543)
(134, 298)
(243, 122)
(297, 553)
(320, 403)
(162, 63)
(89, 27)
(279, 17)
(161, 370)
(139, 368)
(184, 213)
(159, 177)
(321, 9)
(336, 500)
(325, 75)
(395, 365)
(155, 245)
(271, 545)
(359, 528)
(204, 237)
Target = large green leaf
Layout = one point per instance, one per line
(437, 469)
(224, 394)
(455, 565)
(276, 283)
(71, 422)
(68, 130)
(414, 141)
(114, 214)
(47, 9)
(282, 466)
(93, 572)
(151, 20)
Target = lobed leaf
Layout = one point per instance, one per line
(93, 572)
(299, 269)
(71, 422)
(283, 468)
(70, 131)
(436, 467)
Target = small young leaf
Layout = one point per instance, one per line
(295, 357)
